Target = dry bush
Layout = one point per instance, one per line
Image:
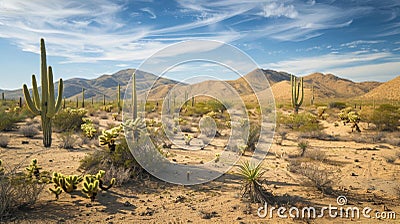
(68, 140)
(29, 131)
(317, 177)
(17, 192)
(392, 158)
(186, 128)
(316, 154)
(4, 140)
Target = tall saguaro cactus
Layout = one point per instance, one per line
(83, 97)
(46, 106)
(119, 98)
(297, 97)
(134, 97)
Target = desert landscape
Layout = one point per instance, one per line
(67, 150)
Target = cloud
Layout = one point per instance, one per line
(149, 11)
(356, 43)
(353, 64)
(277, 10)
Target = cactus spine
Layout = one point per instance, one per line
(296, 88)
(46, 106)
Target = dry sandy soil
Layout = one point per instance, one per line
(363, 176)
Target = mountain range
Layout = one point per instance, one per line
(324, 85)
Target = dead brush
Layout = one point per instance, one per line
(318, 177)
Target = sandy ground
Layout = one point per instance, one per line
(363, 176)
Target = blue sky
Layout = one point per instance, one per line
(355, 39)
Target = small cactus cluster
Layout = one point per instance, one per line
(321, 112)
(93, 183)
(109, 137)
(34, 169)
(64, 183)
(188, 139)
(88, 128)
(348, 115)
(137, 126)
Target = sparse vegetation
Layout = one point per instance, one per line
(29, 131)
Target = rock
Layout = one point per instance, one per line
(179, 199)
(353, 175)
(25, 142)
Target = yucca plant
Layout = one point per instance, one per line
(252, 188)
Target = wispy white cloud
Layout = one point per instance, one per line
(150, 12)
(356, 43)
(344, 64)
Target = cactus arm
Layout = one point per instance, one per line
(31, 105)
(302, 91)
(51, 101)
(60, 96)
(35, 92)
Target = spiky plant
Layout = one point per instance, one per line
(297, 93)
(34, 169)
(88, 128)
(56, 191)
(46, 106)
(109, 137)
(90, 187)
(99, 176)
(252, 188)
(303, 145)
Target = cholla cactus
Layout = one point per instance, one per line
(66, 183)
(57, 192)
(217, 157)
(92, 183)
(1, 168)
(188, 139)
(34, 169)
(109, 137)
(90, 187)
(99, 176)
(88, 128)
(137, 126)
(347, 115)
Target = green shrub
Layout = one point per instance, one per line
(303, 122)
(88, 128)
(17, 191)
(338, 105)
(386, 117)
(8, 120)
(69, 119)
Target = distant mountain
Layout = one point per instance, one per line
(104, 85)
(325, 86)
(389, 90)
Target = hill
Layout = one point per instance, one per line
(389, 91)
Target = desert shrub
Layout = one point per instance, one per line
(4, 140)
(29, 131)
(68, 140)
(315, 154)
(338, 105)
(69, 119)
(8, 120)
(386, 117)
(303, 122)
(186, 128)
(318, 177)
(216, 106)
(17, 191)
(254, 135)
(121, 161)
(208, 126)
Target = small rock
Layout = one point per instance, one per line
(50, 160)
(25, 142)
(127, 204)
(353, 175)
(356, 160)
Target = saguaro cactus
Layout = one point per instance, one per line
(312, 95)
(46, 106)
(134, 96)
(83, 97)
(119, 98)
(297, 99)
